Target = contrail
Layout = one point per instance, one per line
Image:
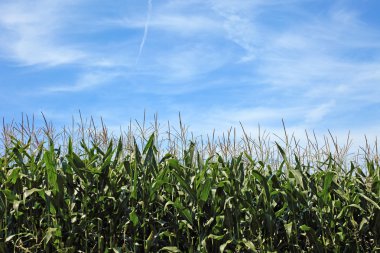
(145, 30)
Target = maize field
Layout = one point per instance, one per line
(90, 191)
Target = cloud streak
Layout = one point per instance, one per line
(146, 27)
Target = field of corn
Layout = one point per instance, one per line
(84, 189)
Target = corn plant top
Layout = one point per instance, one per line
(108, 199)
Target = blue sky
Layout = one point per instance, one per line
(314, 63)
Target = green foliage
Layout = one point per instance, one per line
(98, 198)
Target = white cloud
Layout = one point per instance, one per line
(188, 62)
(30, 34)
(239, 28)
(318, 113)
(88, 80)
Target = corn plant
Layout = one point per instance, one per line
(127, 195)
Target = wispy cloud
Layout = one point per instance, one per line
(189, 62)
(146, 27)
(88, 80)
(321, 60)
(318, 113)
(30, 34)
(40, 34)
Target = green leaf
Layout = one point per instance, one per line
(29, 192)
(171, 249)
(16, 204)
(362, 223)
(9, 238)
(298, 176)
(370, 200)
(185, 185)
(118, 152)
(49, 234)
(149, 144)
(13, 175)
(51, 170)
(283, 154)
(117, 250)
(189, 155)
(10, 196)
(328, 180)
(264, 184)
(205, 191)
(288, 229)
(134, 218)
(249, 245)
(305, 228)
(342, 212)
(78, 163)
(185, 212)
(224, 245)
(215, 237)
